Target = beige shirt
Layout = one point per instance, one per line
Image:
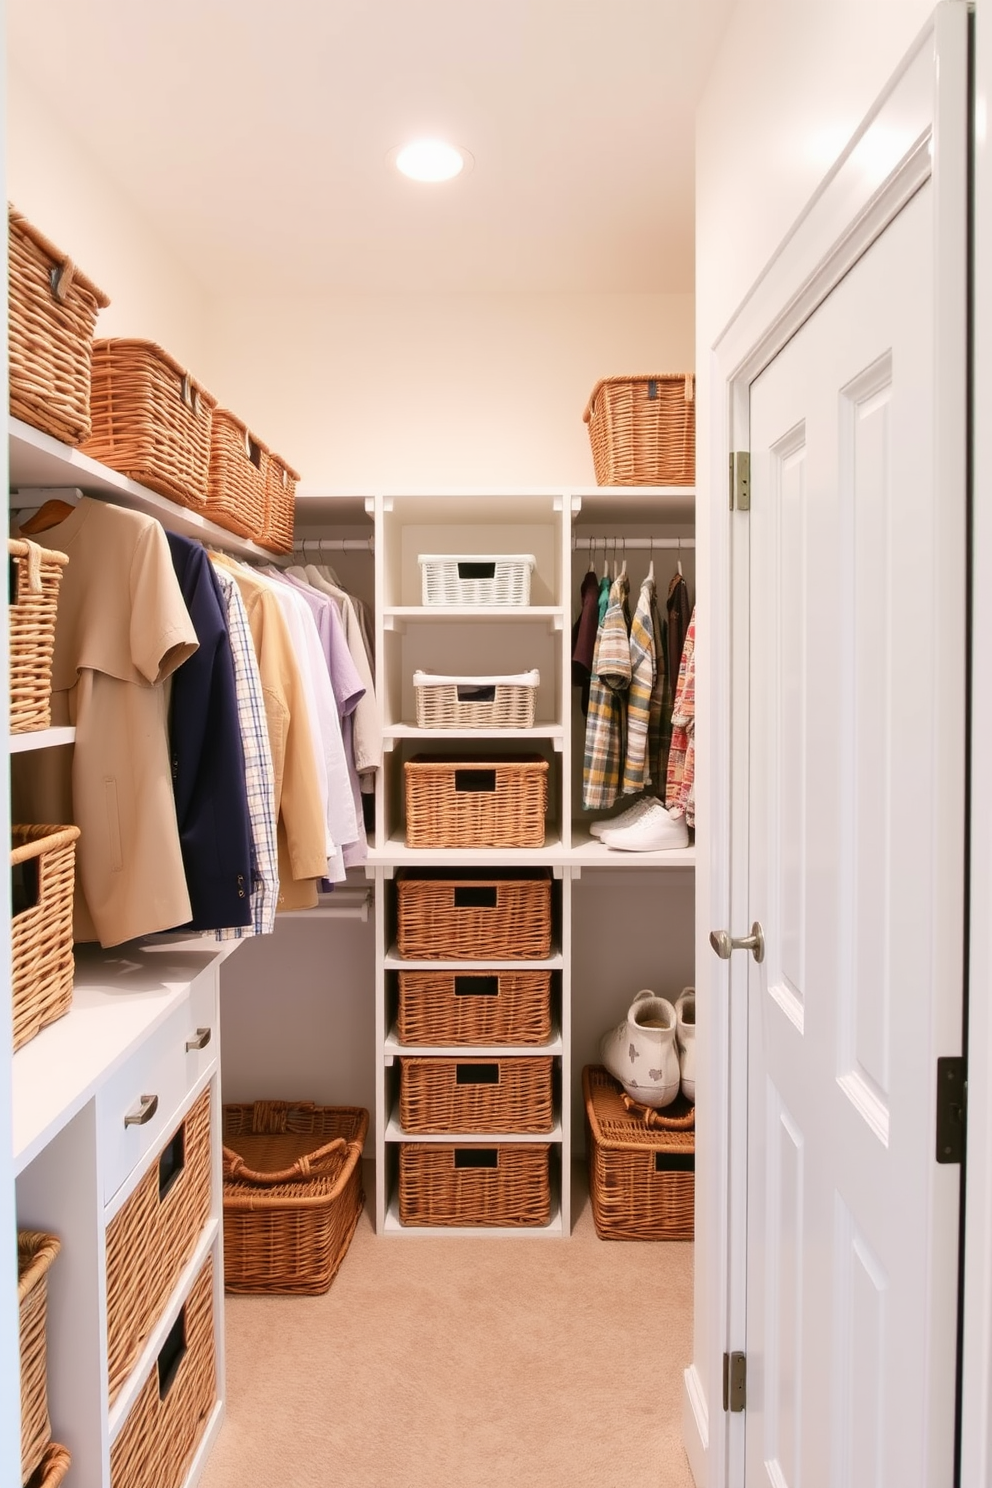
(300, 832)
(122, 629)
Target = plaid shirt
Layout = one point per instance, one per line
(258, 768)
(660, 707)
(637, 761)
(604, 750)
(680, 791)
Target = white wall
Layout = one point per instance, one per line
(55, 184)
(400, 390)
(791, 82)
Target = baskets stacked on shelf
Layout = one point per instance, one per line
(451, 1007)
(35, 1253)
(476, 702)
(643, 430)
(35, 578)
(52, 316)
(43, 860)
(641, 1165)
(474, 1185)
(476, 578)
(447, 914)
(496, 801)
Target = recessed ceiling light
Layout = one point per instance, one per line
(430, 160)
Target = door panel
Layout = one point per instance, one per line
(851, 1301)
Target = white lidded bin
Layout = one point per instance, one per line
(476, 702)
(476, 578)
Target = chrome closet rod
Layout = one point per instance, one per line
(306, 545)
(592, 544)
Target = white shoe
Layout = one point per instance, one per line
(624, 819)
(685, 1034)
(642, 1053)
(654, 830)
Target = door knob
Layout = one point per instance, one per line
(724, 943)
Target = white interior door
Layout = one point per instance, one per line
(857, 651)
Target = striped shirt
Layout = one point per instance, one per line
(602, 762)
(637, 761)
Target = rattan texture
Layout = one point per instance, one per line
(158, 1441)
(433, 1191)
(35, 1253)
(34, 599)
(632, 1199)
(42, 965)
(149, 1241)
(52, 1468)
(151, 420)
(445, 806)
(444, 580)
(280, 506)
(52, 311)
(434, 1096)
(292, 1193)
(439, 916)
(440, 1007)
(452, 705)
(237, 476)
(643, 430)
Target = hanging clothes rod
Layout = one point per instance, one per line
(306, 545)
(631, 544)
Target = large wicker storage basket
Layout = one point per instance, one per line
(452, 1007)
(35, 578)
(237, 476)
(158, 1441)
(476, 578)
(52, 1468)
(152, 1236)
(495, 801)
(280, 506)
(292, 1193)
(442, 1184)
(151, 420)
(476, 702)
(643, 430)
(442, 914)
(53, 310)
(43, 863)
(641, 1178)
(477, 1095)
(35, 1253)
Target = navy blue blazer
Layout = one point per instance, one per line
(208, 762)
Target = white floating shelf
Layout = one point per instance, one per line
(395, 962)
(553, 731)
(433, 613)
(396, 853)
(589, 852)
(50, 738)
(393, 1049)
(395, 1133)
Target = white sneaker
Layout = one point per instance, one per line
(655, 829)
(624, 819)
(685, 1034)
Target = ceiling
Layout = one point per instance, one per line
(253, 134)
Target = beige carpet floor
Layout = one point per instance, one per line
(465, 1363)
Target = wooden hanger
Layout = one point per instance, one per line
(50, 515)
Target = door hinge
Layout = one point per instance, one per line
(740, 480)
(952, 1105)
(734, 1381)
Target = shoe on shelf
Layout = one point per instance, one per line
(641, 1052)
(655, 830)
(685, 1036)
(624, 818)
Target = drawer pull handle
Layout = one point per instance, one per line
(146, 1110)
(201, 1040)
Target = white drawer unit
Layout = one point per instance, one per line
(137, 1103)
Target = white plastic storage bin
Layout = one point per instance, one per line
(476, 702)
(476, 578)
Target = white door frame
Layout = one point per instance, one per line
(894, 151)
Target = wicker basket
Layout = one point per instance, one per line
(641, 1179)
(476, 702)
(236, 477)
(643, 430)
(52, 1468)
(477, 1095)
(476, 578)
(151, 1238)
(505, 916)
(495, 801)
(151, 420)
(280, 506)
(36, 574)
(35, 1254)
(292, 1193)
(53, 310)
(442, 1184)
(158, 1441)
(451, 1007)
(43, 861)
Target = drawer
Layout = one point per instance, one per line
(201, 1044)
(135, 1106)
